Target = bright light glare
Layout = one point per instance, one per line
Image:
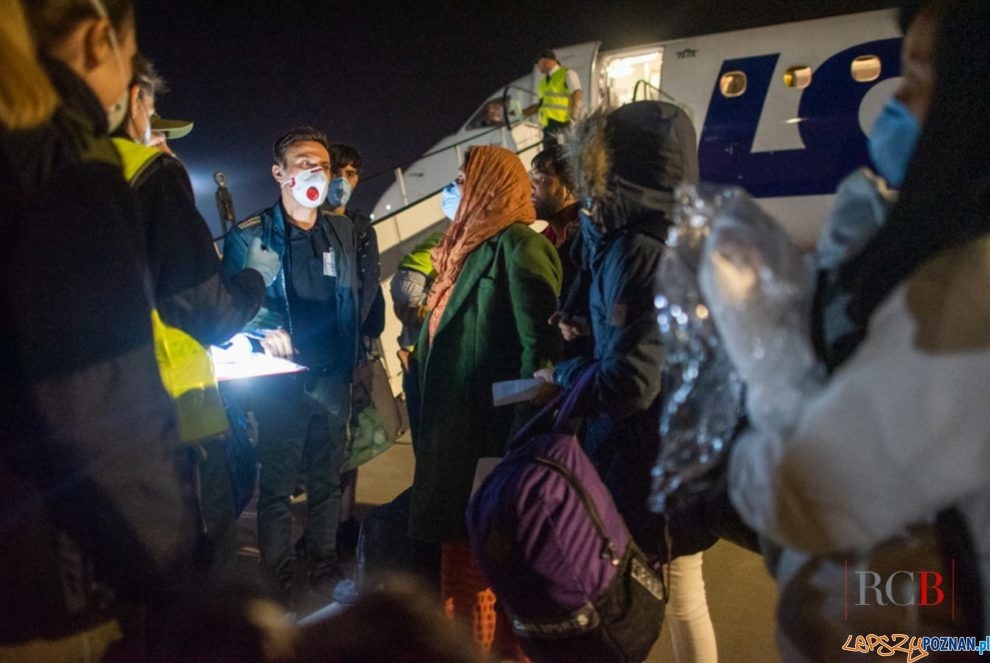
(237, 362)
(639, 59)
(621, 67)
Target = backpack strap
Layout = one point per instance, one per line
(565, 401)
(573, 399)
(608, 552)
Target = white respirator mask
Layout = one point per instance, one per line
(309, 187)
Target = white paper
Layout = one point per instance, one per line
(237, 362)
(515, 391)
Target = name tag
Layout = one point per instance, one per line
(329, 264)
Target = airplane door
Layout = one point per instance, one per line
(632, 75)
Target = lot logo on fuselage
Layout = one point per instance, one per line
(835, 144)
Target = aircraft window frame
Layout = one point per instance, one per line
(482, 120)
(729, 79)
(798, 77)
(861, 74)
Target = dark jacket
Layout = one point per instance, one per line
(494, 328)
(92, 511)
(653, 147)
(622, 435)
(192, 291)
(269, 226)
(372, 299)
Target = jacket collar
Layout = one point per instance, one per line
(475, 266)
(78, 100)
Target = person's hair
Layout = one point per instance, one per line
(52, 20)
(297, 135)
(945, 199)
(547, 54)
(912, 9)
(590, 156)
(417, 630)
(344, 155)
(554, 162)
(27, 97)
(149, 81)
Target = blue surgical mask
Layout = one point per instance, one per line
(893, 140)
(339, 193)
(450, 200)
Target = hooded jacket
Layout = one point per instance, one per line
(92, 510)
(630, 161)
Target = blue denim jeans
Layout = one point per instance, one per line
(302, 422)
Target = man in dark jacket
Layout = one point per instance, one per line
(191, 290)
(93, 515)
(312, 316)
(554, 191)
(346, 172)
(553, 198)
(346, 165)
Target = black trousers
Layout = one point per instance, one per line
(553, 132)
(302, 421)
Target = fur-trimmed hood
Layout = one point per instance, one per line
(631, 159)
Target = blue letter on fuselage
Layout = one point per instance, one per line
(829, 110)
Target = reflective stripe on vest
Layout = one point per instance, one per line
(185, 366)
(555, 98)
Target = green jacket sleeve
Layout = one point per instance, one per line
(535, 275)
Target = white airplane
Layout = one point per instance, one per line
(782, 111)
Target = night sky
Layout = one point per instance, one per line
(390, 78)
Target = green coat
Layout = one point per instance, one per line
(494, 328)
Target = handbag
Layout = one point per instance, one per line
(376, 421)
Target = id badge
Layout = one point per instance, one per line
(329, 264)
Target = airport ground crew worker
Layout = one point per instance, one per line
(560, 97)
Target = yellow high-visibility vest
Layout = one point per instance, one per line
(555, 98)
(185, 366)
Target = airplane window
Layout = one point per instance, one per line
(491, 114)
(733, 83)
(866, 68)
(798, 77)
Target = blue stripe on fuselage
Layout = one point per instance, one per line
(829, 110)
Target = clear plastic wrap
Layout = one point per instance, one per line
(759, 289)
(733, 312)
(703, 393)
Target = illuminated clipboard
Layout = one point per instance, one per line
(236, 361)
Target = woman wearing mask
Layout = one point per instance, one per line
(88, 483)
(897, 434)
(496, 285)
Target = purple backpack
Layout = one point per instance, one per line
(552, 545)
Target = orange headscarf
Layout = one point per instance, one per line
(496, 193)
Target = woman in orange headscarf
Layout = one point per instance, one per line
(496, 287)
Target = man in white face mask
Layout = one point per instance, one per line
(142, 122)
(312, 316)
